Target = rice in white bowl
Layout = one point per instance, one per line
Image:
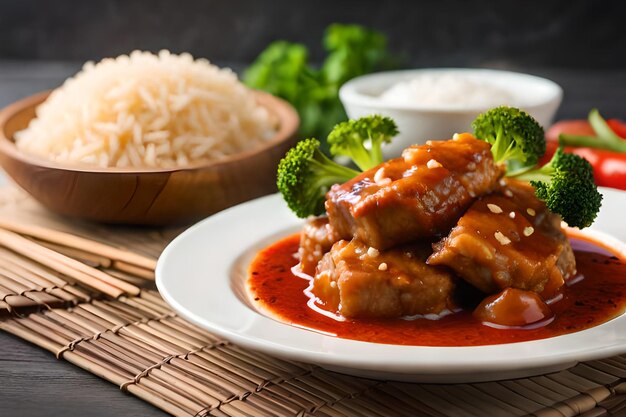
(146, 110)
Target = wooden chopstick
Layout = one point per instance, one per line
(79, 266)
(80, 243)
(132, 273)
(133, 279)
(82, 273)
(87, 258)
(133, 270)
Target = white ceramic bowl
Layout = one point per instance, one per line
(418, 123)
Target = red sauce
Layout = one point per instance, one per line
(597, 295)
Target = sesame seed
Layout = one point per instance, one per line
(508, 193)
(456, 136)
(380, 179)
(528, 231)
(432, 163)
(333, 284)
(382, 267)
(531, 211)
(512, 214)
(471, 193)
(379, 174)
(494, 208)
(373, 252)
(502, 182)
(501, 238)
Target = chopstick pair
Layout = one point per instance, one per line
(98, 261)
(59, 251)
(79, 243)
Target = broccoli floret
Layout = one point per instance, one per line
(362, 139)
(304, 176)
(516, 138)
(566, 185)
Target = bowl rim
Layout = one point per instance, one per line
(351, 93)
(289, 122)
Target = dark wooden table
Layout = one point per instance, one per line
(33, 382)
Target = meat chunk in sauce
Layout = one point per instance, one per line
(508, 239)
(357, 281)
(316, 239)
(420, 195)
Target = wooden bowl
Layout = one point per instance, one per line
(145, 196)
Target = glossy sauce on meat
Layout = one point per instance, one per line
(508, 239)
(513, 308)
(596, 295)
(420, 195)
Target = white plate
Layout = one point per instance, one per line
(202, 274)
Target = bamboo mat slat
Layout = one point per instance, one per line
(138, 343)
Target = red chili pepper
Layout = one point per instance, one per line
(609, 167)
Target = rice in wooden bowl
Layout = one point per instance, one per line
(146, 139)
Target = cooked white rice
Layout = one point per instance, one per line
(146, 110)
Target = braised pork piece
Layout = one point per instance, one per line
(420, 195)
(373, 256)
(316, 239)
(358, 281)
(508, 239)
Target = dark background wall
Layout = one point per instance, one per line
(550, 33)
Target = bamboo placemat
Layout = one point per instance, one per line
(137, 342)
